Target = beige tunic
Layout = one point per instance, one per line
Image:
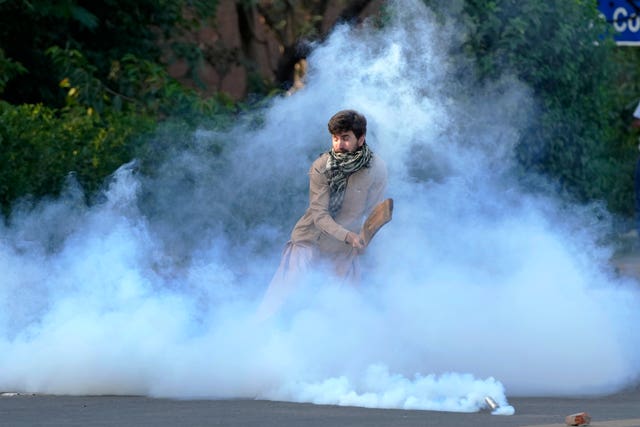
(318, 238)
(365, 188)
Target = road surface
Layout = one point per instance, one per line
(619, 410)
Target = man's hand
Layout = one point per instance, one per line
(354, 240)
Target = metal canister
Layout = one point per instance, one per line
(491, 403)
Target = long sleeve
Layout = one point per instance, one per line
(319, 205)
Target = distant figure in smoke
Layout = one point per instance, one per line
(345, 183)
(636, 178)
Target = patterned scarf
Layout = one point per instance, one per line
(339, 167)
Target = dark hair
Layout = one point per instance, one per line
(346, 120)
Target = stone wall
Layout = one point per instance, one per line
(229, 57)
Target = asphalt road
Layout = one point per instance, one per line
(620, 410)
(21, 410)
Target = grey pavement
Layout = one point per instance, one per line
(619, 410)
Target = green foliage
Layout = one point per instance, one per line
(102, 125)
(85, 89)
(564, 52)
(85, 85)
(103, 31)
(98, 129)
(8, 69)
(39, 146)
(134, 85)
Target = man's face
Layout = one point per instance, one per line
(346, 142)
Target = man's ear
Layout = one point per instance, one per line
(361, 140)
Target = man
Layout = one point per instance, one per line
(345, 183)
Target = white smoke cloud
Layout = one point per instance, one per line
(478, 287)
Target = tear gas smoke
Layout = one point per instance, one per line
(478, 287)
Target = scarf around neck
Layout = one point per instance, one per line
(339, 167)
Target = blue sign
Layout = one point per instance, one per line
(624, 15)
